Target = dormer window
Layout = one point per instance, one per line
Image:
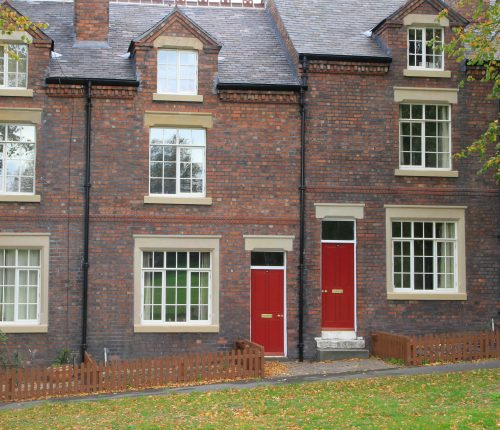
(13, 65)
(177, 72)
(425, 48)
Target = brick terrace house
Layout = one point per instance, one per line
(177, 177)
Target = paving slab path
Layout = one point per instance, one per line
(330, 371)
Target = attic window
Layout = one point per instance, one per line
(177, 71)
(425, 48)
(13, 65)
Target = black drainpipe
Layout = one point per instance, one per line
(302, 190)
(86, 217)
(87, 83)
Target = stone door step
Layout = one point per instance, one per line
(341, 354)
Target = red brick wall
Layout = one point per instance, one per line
(352, 152)
(91, 20)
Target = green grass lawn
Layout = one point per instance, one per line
(468, 400)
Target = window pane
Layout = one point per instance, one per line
(267, 259)
(337, 230)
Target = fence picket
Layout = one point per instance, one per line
(244, 361)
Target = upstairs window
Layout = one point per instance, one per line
(177, 71)
(177, 162)
(13, 66)
(424, 132)
(17, 159)
(425, 48)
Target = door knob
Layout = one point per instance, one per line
(279, 316)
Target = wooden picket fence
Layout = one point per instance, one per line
(245, 361)
(447, 347)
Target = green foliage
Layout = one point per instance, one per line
(395, 361)
(63, 357)
(466, 400)
(11, 21)
(479, 44)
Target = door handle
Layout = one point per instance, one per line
(324, 291)
(337, 291)
(280, 316)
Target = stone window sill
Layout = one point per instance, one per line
(15, 92)
(426, 296)
(162, 200)
(177, 98)
(19, 198)
(429, 173)
(42, 328)
(427, 73)
(176, 329)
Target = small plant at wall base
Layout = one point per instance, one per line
(478, 44)
(63, 357)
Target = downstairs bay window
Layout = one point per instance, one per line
(425, 252)
(176, 283)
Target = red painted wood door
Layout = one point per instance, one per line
(268, 310)
(337, 288)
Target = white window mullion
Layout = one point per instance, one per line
(178, 64)
(178, 169)
(423, 131)
(435, 260)
(188, 293)
(16, 293)
(163, 292)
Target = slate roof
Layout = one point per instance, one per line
(335, 27)
(251, 51)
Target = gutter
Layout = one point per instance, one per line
(302, 191)
(352, 58)
(87, 83)
(258, 87)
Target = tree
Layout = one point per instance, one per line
(11, 20)
(478, 44)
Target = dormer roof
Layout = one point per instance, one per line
(176, 16)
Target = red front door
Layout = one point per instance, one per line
(268, 310)
(337, 286)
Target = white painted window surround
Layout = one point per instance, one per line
(24, 278)
(176, 284)
(425, 252)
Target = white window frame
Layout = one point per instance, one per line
(144, 243)
(163, 304)
(425, 47)
(6, 58)
(178, 74)
(411, 240)
(455, 214)
(423, 121)
(178, 148)
(3, 189)
(38, 241)
(17, 268)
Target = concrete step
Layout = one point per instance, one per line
(323, 343)
(344, 334)
(341, 354)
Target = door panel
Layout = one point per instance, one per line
(338, 285)
(268, 310)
